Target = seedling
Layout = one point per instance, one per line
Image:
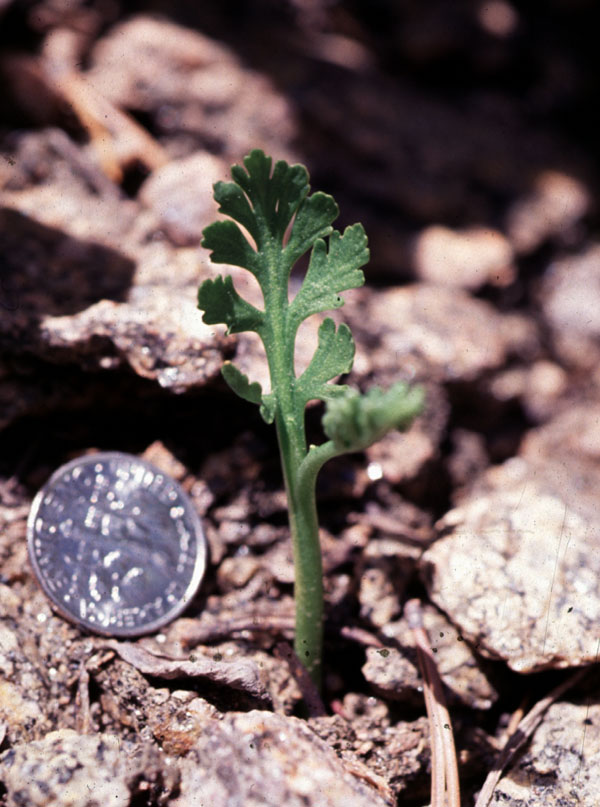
(265, 203)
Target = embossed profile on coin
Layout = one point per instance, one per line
(116, 544)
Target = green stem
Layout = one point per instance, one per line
(304, 527)
(302, 508)
(308, 569)
(308, 589)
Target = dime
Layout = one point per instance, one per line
(116, 544)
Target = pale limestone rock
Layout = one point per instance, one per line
(570, 300)
(518, 566)
(552, 210)
(67, 769)
(236, 756)
(561, 765)
(465, 259)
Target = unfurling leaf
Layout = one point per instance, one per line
(355, 421)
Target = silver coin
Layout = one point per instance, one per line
(116, 544)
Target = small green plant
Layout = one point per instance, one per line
(265, 202)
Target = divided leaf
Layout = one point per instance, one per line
(229, 245)
(288, 188)
(313, 221)
(264, 199)
(334, 355)
(234, 203)
(355, 421)
(265, 203)
(223, 305)
(330, 272)
(250, 391)
(275, 198)
(240, 383)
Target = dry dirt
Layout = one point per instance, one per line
(463, 136)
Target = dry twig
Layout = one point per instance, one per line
(241, 674)
(361, 636)
(84, 720)
(523, 732)
(116, 137)
(192, 632)
(445, 788)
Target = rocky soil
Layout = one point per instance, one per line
(463, 136)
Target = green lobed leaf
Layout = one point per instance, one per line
(275, 197)
(331, 272)
(229, 245)
(240, 383)
(334, 355)
(234, 203)
(254, 180)
(355, 421)
(290, 188)
(313, 220)
(222, 304)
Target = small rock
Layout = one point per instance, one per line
(133, 708)
(49, 272)
(13, 550)
(377, 594)
(570, 300)
(192, 85)
(400, 456)
(21, 713)
(457, 336)
(76, 290)
(165, 340)
(158, 454)
(236, 756)
(56, 183)
(67, 769)
(573, 436)
(540, 386)
(180, 194)
(32, 650)
(8, 644)
(466, 259)
(236, 572)
(394, 673)
(552, 210)
(385, 567)
(396, 751)
(518, 566)
(560, 764)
